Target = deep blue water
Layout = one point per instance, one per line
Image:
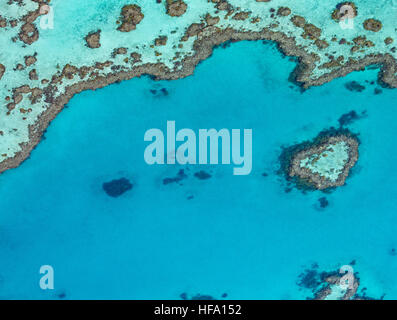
(240, 235)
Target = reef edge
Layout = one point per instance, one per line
(203, 48)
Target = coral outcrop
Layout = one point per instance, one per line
(131, 16)
(176, 8)
(93, 39)
(323, 163)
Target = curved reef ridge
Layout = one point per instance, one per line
(323, 163)
(62, 48)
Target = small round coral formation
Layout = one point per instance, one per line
(93, 39)
(30, 60)
(161, 41)
(372, 25)
(131, 16)
(176, 8)
(298, 21)
(283, 11)
(323, 163)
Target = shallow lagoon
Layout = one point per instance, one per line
(241, 235)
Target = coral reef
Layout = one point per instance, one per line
(333, 287)
(168, 53)
(322, 163)
(372, 25)
(342, 284)
(131, 16)
(176, 8)
(29, 33)
(283, 11)
(93, 39)
(161, 41)
(30, 60)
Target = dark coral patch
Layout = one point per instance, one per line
(203, 297)
(158, 93)
(178, 178)
(61, 295)
(377, 91)
(350, 117)
(202, 175)
(185, 296)
(116, 188)
(354, 86)
(310, 278)
(323, 202)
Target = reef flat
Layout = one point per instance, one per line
(323, 163)
(51, 51)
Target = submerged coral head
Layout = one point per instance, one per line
(116, 188)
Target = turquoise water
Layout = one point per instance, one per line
(240, 235)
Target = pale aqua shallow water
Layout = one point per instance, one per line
(241, 235)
